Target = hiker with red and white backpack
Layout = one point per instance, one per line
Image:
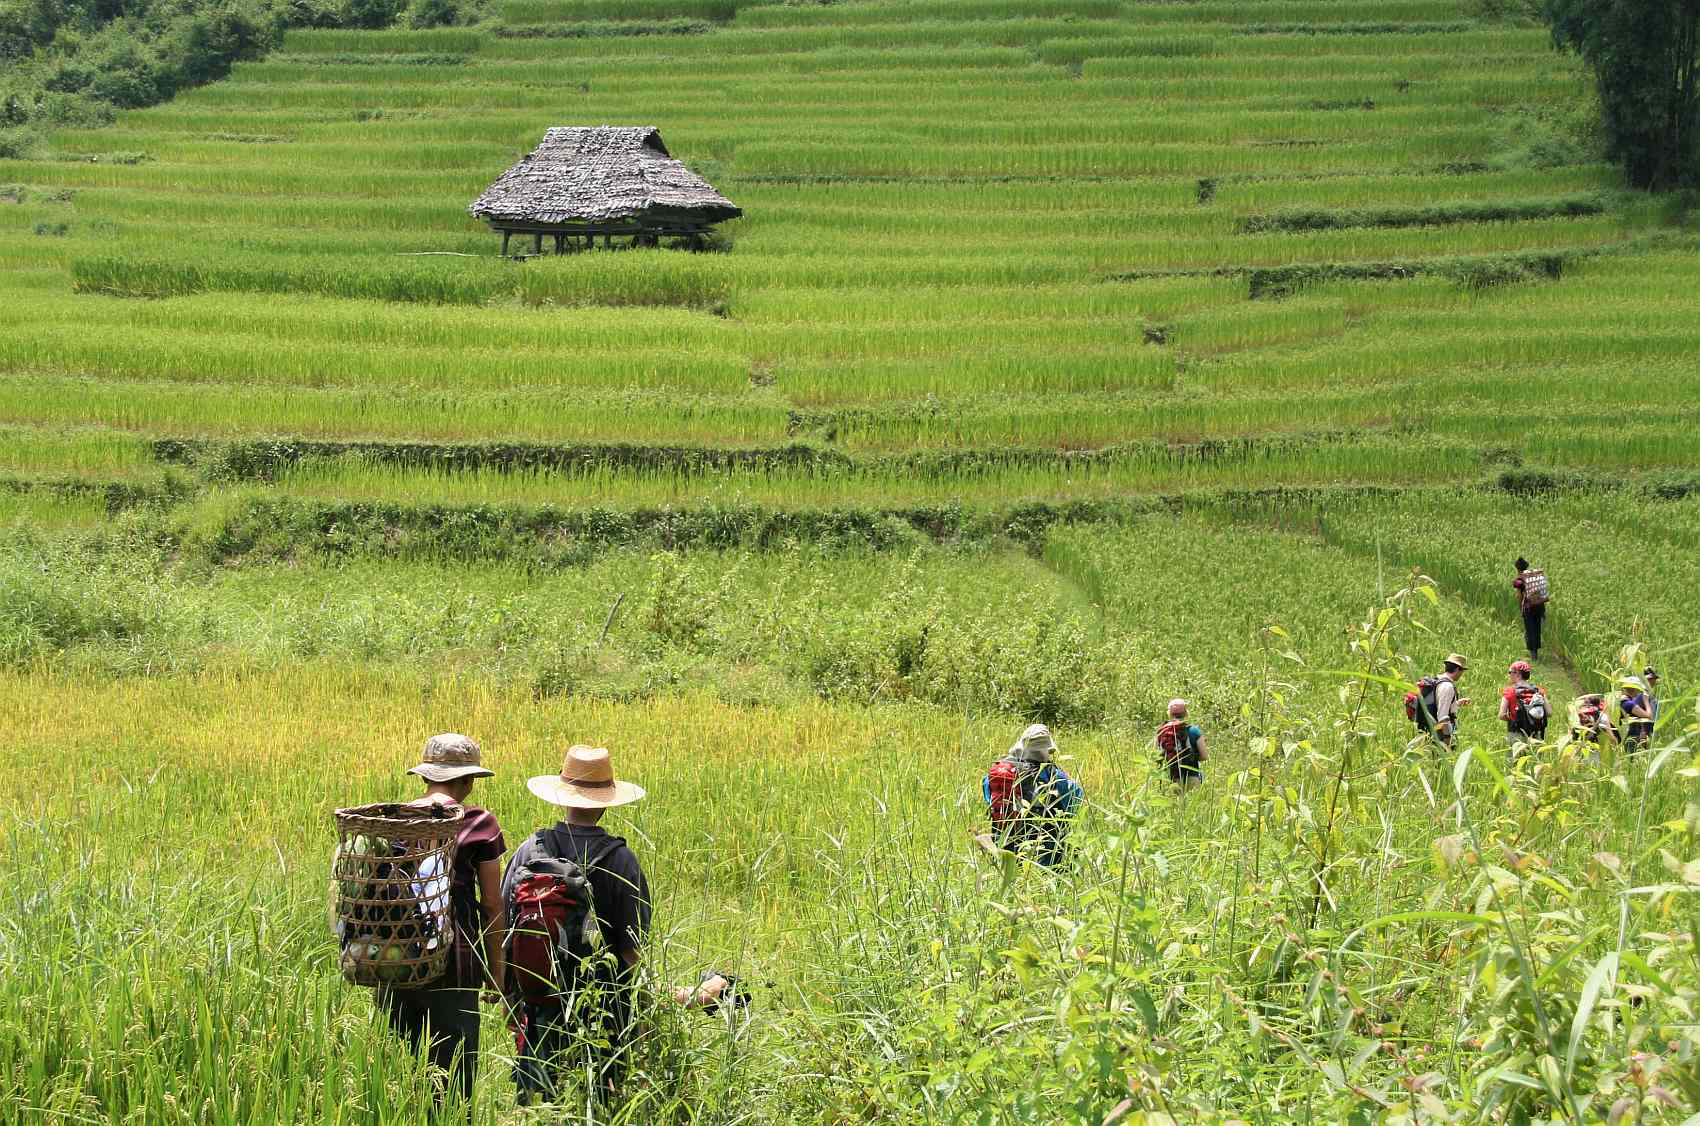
(1523, 707)
(1180, 745)
(1031, 799)
(578, 907)
(1533, 593)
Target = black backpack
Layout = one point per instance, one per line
(1529, 711)
(1419, 705)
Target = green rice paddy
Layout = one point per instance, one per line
(1070, 355)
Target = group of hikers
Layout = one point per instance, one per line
(525, 936)
(556, 936)
(1524, 706)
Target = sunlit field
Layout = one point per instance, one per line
(1070, 356)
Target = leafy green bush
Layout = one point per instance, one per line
(433, 13)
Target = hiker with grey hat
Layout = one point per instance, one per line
(444, 1013)
(579, 907)
(1031, 799)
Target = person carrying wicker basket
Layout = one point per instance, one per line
(446, 1010)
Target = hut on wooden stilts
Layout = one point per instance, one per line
(608, 180)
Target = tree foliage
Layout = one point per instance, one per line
(1645, 55)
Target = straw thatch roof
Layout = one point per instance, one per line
(598, 175)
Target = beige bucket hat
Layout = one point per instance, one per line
(586, 781)
(1035, 745)
(1457, 659)
(450, 756)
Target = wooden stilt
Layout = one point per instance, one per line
(537, 243)
(560, 243)
(506, 235)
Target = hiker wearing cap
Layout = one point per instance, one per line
(1523, 707)
(1181, 745)
(446, 1010)
(1030, 798)
(1433, 707)
(1640, 709)
(571, 986)
(1532, 594)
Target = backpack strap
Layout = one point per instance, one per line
(552, 844)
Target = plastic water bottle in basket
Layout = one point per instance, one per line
(391, 880)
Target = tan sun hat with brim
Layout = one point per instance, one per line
(450, 756)
(586, 781)
(1035, 745)
(1458, 659)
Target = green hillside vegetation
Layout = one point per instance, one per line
(1070, 356)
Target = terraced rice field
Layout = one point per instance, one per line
(1032, 220)
(1070, 355)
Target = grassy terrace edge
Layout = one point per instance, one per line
(244, 526)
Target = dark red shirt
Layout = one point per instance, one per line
(480, 840)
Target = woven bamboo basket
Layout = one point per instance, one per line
(391, 880)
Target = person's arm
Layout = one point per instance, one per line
(1069, 793)
(495, 922)
(630, 911)
(1504, 708)
(1202, 753)
(1445, 705)
(705, 995)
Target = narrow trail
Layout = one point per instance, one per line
(1073, 574)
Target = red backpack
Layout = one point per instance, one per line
(1419, 705)
(1529, 710)
(551, 914)
(1003, 783)
(1172, 741)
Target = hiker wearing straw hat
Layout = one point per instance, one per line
(1640, 708)
(447, 1009)
(579, 905)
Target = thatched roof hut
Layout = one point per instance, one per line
(601, 180)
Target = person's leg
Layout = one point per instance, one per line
(420, 1016)
(534, 1067)
(405, 1016)
(616, 1010)
(1051, 846)
(453, 1014)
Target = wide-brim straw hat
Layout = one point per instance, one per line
(450, 756)
(586, 781)
(1458, 659)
